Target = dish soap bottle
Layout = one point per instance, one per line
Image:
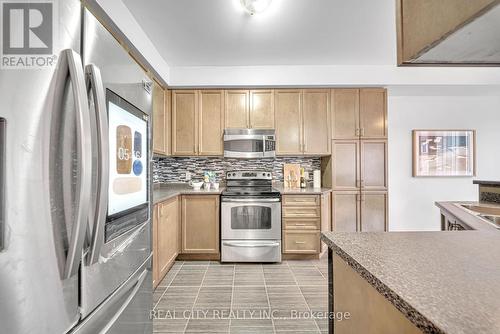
(303, 178)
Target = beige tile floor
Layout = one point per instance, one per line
(210, 297)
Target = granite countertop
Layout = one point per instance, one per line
(308, 190)
(487, 183)
(469, 217)
(443, 282)
(163, 192)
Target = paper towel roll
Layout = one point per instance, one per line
(317, 179)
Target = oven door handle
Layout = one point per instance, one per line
(251, 245)
(251, 200)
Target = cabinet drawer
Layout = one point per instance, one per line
(301, 242)
(301, 200)
(301, 212)
(302, 224)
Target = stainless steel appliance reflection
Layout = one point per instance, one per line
(251, 218)
(76, 250)
(249, 143)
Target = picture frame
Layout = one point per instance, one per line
(444, 153)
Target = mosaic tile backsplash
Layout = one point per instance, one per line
(174, 169)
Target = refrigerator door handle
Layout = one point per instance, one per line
(125, 304)
(71, 63)
(95, 87)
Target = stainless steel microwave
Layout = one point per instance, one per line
(249, 143)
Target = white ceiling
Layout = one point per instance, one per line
(291, 32)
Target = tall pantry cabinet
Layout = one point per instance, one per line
(359, 159)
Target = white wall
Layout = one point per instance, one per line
(124, 20)
(331, 75)
(411, 200)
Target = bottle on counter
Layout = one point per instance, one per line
(303, 183)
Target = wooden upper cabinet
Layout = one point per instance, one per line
(373, 169)
(168, 122)
(262, 109)
(345, 113)
(184, 122)
(211, 122)
(373, 211)
(237, 109)
(373, 113)
(345, 165)
(288, 105)
(159, 120)
(200, 224)
(316, 121)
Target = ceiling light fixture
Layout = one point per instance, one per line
(255, 6)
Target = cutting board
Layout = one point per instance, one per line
(291, 176)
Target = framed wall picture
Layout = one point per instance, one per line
(444, 152)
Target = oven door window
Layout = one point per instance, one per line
(244, 145)
(251, 218)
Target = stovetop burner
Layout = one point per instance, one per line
(250, 183)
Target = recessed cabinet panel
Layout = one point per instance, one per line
(211, 118)
(373, 164)
(262, 109)
(200, 224)
(345, 211)
(345, 164)
(237, 109)
(373, 212)
(373, 114)
(345, 113)
(288, 122)
(159, 120)
(316, 119)
(167, 235)
(184, 119)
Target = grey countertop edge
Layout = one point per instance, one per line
(487, 183)
(467, 216)
(415, 317)
(165, 191)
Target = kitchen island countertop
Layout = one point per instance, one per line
(443, 282)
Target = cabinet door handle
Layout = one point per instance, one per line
(362, 132)
(357, 132)
(300, 242)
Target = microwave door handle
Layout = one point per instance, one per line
(264, 145)
(72, 65)
(95, 87)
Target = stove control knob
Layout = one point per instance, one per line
(268, 174)
(263, 174)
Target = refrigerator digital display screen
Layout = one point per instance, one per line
(128, 165)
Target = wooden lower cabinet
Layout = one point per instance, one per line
(370, 311)
(373, 211)
(301, 242)
(200, 226)
(345, 211)
(165, 237)
(359, 211)
(304, 218)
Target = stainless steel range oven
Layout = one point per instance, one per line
(251, 218)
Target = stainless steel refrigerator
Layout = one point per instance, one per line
(75, 208)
